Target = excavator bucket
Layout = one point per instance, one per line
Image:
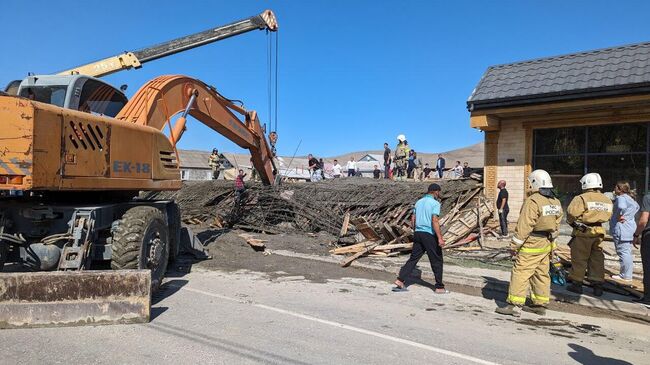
(73, 298)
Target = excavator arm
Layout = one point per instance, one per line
(164, 97)
(135, 59)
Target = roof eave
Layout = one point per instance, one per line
(642, 88)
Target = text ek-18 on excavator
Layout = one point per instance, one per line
(73, 155)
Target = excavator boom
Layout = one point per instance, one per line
(135, 59)
(160, 99)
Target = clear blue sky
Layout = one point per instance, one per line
(353, 74)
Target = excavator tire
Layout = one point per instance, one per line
(3, 255)
(141, 241)
(174, 219)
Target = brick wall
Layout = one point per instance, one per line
(512, 165)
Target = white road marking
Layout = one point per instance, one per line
(349, 328)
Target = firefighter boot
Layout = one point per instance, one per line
(509, 310)
(598, 289)
(575, 287)
(540, 310)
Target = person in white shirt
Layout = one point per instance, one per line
(336, 169)
(352, 167)
(458, 170)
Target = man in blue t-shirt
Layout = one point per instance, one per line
(427, 238)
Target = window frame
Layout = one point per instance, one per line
(587, 155)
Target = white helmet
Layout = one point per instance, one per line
(591, 181)
(401, 138)
(539, 179)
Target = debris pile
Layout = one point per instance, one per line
(633, 287)
(462, 223)
(309, 207)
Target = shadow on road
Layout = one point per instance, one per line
(494, 290)
(416, 278)
(167, 289)
(211, 235)
(585, 356)
(156, 311)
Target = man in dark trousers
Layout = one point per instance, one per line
(387, 161)
(642, 236)
(240, 187)
(427, 238)
(440, 166)
(502, 206)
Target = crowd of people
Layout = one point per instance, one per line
(533, 242)
(403, 164)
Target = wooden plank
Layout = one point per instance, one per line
(387, 231)
(480, 222)
(471, 237)
(352, 248)
(394, 246)
(362, 225)
(470, 248)
(349, 260)
(365, 251)
(345, 225)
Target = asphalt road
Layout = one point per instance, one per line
(242, 317)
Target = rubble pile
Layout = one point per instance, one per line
(308, 207)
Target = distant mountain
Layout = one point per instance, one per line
(472, 154)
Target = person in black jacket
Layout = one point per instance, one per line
(440, 166)
(502, 206)
(467, 171)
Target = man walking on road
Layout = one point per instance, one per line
(532, 244)
(440, 166)
(426, 239)
(387, 161)
(586, 214)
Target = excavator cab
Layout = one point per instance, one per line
(76, 92)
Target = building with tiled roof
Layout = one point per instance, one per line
(570, 115)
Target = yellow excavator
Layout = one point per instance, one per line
(74, 153)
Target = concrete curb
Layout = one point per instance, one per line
(608, 301)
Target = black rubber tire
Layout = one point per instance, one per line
(3, 255)
(141, 241)
(174, 224)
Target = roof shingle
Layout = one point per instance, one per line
(624, 69)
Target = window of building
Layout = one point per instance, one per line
(616, 152)
(184, 175)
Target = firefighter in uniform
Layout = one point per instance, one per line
(586, 214)
(401, 157)
(532, 244)
(214, 163)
